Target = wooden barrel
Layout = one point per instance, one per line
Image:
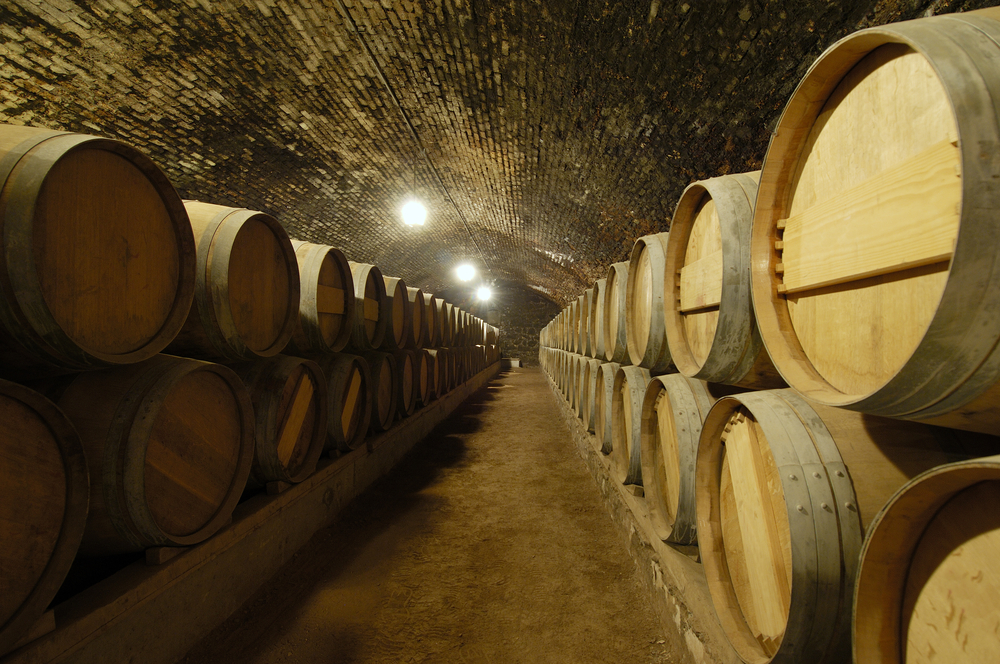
(672, 412)
(603, 397)
(709, 322)
(589, 393)
(435, 373)
(383, 390)
(348, 382)
(326, 300)
(432, 319)
(927, 586)
(43, 506)
(615, 326)
(169, 445)
(407, 382)
(418, 318)
(784, 492)
(246, 303)
(398, 323)
(644, 303)
(583, 323)
(596, 328)
(371, 307)
(445, 330)
(290, 405)
(492, 335)
(873, 232)
(82, 285)
(628, 391)
(423, 367)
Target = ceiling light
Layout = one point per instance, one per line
(414, 213)
(465, 272)
(484, 293)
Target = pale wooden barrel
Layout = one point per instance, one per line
(603, 398)
(873, 233)
(435, 373)
(418, 330)
(784, 491)
(407, 382)
(383, 390)
(709, 320)
(370, 307)
(672, 412)
(246, 303)
(927, 586)
(290, 405)
(433, 321)
(644, 303)
(399, 323)
(43, 506)
(583, 325)
(572, 325)
(627, 394)
(589, 393)
(596, 327)
(348, 382)
(615, 326)
(83, 285)
(169, 445)
(326, 300)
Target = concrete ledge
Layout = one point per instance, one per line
(155, 614)
(673, 576)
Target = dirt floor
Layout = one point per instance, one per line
(488, 543)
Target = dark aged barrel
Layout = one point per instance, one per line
(383, 390)
(84, 284)
(626, 424)
(169, 444)
(422, 366)
(348, 391)
(246, 302)
(398, 325)
(326, 299)
(615, 326)
(434, 374)
(289, 396)
(43, 506)
(418, 317)
(709, 323)
(433, 320)
(644, 303)
(407, 382)
(874, 241)
(784, 493)
(603, 397)
(370, 307)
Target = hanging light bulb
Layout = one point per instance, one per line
(484, 293)
(465, 272)
(414, 213)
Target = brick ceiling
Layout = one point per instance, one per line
(543, 136)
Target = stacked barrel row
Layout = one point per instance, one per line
(852, 513)
(168, 357)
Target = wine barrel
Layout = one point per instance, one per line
(596, 327)
(407, 382)
(82, 284)
(169, 444)
(348, 382)
(615, 325)
(603, 398)
(399, 323)
(246, 303)
(43, 506)
(644, 304)
(326, 300)
(672, 412)
(583, 324)
(290, 405)
(445, 329)
(873, 235)
(492, 335)
(711, 331)
(383, 390)
(433, 321)
(370, 307)
(628, 391)
(435, 371)
(784, 492)
(418, 333)
(422, 366)
(589, 393)
(927, 586)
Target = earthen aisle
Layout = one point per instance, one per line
(488, 543)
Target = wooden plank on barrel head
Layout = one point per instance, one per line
(301, 400)
(329, 300)
(701, 283)
(349, 401)
(758, 526)
(371, 309)
(906, 216)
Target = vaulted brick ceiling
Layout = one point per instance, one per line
(544, 136)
